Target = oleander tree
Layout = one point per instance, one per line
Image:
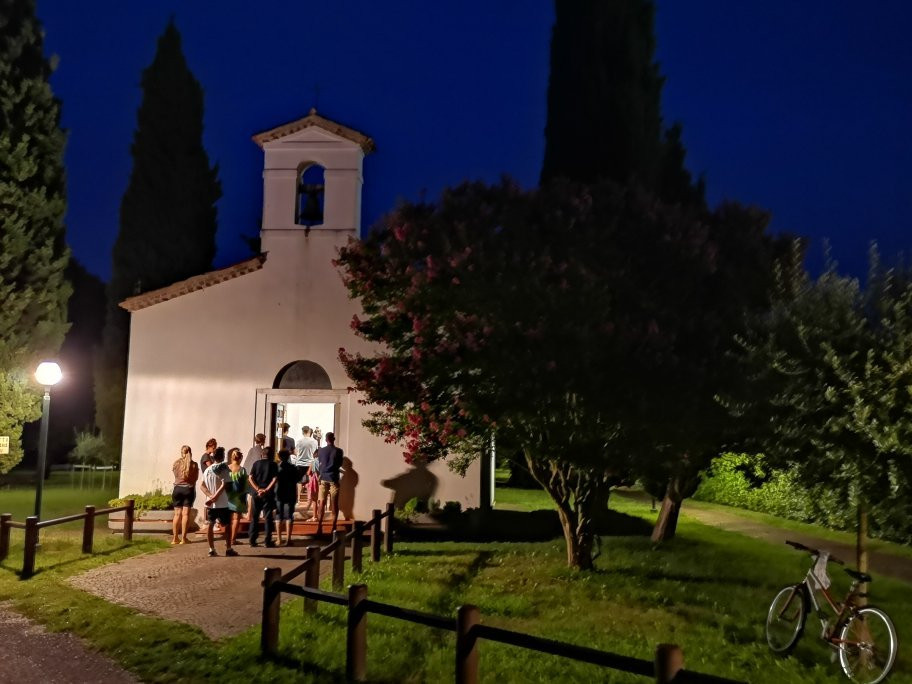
(570, 320)
(830, 371)
(33, 252)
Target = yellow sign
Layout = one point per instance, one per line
(4, 445)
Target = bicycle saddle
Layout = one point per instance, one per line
(859, 576)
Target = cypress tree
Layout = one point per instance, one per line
(604, 101)
(167, 214)
(33, 252)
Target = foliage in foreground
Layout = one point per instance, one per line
(707, 591)
(830, 370)
(33, 253)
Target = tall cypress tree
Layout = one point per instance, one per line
(604, 101)
(33, 253)
(167, 215)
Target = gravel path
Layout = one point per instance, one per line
(881, 563)
(30, 654)
(221, 595)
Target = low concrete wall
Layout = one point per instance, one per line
(151, 521)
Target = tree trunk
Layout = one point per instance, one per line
(667, 523)
(579, 540)
(861, 546)
(576, 493)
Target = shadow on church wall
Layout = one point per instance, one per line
(347, 485)
(416, 483)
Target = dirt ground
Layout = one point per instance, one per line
(30, 654)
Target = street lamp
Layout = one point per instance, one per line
(47, 374)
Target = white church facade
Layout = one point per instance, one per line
(237, 351)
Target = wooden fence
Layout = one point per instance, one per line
(667, 668)
(32, 525)
(275, 583)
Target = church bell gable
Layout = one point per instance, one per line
(312, 177)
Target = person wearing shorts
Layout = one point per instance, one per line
(286, 496)
(215, 480)
(329, 461)
(186, 473)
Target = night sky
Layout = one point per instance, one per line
(802, 108)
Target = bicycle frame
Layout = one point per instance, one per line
(841, 611)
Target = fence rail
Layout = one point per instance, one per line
(32, 524)
(667, 668)
(275, 583)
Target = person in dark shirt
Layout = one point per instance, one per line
(329, 460)
(286, 495)
(262, 478)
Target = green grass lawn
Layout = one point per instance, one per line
(708, 590)
(61, 496)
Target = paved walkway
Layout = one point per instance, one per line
(220, 595)
(30, 654)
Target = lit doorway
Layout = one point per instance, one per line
(316, 416)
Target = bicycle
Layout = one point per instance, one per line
(863, 636)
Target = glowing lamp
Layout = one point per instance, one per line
(48, 373)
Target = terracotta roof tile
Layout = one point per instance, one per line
(199, 282)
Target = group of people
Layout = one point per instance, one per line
(259, 485)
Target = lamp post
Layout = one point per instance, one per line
(47, 374)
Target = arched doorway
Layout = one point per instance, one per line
(302, 396)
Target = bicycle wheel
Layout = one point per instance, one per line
(786, 617)
(867, 648)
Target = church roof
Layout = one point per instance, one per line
(314, 119)
(198, 282)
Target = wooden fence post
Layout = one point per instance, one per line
(31, 546)
(356, 637)
(339, 560)
(312, 576)
(467, 644)
(357, 548)
(88, 529)
(388, 527)
(669, 660)
(375, 536)
(128, 520)
(4, 534)
(272, 601)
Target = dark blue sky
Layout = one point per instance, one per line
(799, 107)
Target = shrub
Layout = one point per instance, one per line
(744, 481)
(150, 501)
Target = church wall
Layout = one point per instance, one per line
(196, 362)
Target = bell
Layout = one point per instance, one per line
(311, 212)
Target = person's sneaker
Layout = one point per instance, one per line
(253, 543)
(270, 544)
(212, 552)
(231, 552)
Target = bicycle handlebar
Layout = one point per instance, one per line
(801, 547)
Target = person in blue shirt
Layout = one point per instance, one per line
(329, 462)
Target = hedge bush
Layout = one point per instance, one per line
(744, 481)
(150, 501)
